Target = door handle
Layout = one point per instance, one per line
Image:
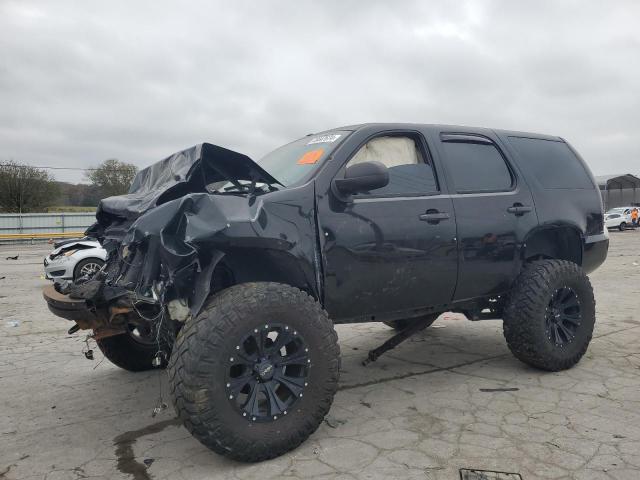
(434, 216)
(518, 209)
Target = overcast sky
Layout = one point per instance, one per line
(84, 81)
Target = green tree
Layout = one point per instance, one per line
(26, 189)
(112, 177)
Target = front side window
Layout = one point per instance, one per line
(410, 173)
(476, 167)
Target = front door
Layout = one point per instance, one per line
(391, 249)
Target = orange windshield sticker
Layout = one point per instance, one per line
(311, 157)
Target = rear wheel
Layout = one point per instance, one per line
(550, 315)
(254, 374)
(400, 325)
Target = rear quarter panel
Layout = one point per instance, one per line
(580, 208)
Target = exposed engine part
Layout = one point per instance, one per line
(178, 310)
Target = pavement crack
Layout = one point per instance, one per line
(419, 373)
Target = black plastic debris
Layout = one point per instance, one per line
(470, 474)
(506, 389)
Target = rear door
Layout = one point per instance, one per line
(494, 212)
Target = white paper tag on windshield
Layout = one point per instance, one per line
(324, 138)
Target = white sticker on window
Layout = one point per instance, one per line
(324, 138)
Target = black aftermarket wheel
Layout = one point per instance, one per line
(255, 373)
(550, 315)
(268, 373)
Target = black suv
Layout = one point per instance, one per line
(233, 272)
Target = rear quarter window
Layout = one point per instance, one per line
(552, 163)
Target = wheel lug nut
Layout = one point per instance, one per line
(228, 385)
(230, 397)
(275, 418)
(300, 395)
(231, 359)
(244, 414)
(253, 418)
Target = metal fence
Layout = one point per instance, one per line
(44, 223)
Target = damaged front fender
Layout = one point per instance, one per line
(170, 239)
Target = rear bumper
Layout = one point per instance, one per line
(595, 252)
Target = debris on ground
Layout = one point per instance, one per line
(148, 461)
(334, 422)
(12, 258)
(13, 323)
(509, 389)
(470, 474)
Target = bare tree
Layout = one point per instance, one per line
(25, 189)
(112, 177)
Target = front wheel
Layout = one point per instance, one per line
(254, 374)
(136, 349)
(622, 226)
(550, 315)
(87, 268)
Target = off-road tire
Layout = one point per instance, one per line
(400, 325)
(524, 323)
(199, 363)
(129, 354)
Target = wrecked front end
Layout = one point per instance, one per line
(194, 223)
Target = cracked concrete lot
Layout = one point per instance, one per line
(452, 397)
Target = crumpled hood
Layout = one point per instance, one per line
(79, 243)
(188, 171)
(165, 237)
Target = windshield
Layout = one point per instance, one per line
(295, 161)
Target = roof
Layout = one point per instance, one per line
(625, 180)
(452, 128)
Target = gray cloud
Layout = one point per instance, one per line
(81, 82)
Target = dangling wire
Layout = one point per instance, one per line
(159, 358)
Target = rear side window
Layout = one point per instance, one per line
(552, 163)
(476, 167)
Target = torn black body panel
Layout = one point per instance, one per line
(168, 236)
(188, 171)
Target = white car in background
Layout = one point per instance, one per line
(72, 260)
(619, 218)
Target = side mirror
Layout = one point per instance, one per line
(361, 177)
